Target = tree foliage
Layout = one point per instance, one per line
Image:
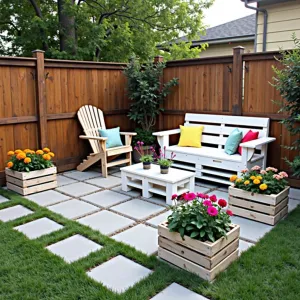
(107, 30)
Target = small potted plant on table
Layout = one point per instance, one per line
(199, 236)
(163, 162)
(260, 195)
(145, 157)
(30, 171)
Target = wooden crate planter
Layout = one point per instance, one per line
(25, 183)
(268, 209)
(205, 259)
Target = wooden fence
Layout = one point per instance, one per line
(39, 99)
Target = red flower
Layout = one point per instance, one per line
(189, 196)
(207, 203)
(213, 198)
(212, 211)
(174, 196)
(222, 202)
(200, 195)
(229, 212)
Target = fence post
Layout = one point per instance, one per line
(41, 97)
(158, 59)
(237, 81)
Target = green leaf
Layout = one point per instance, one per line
(194, 234)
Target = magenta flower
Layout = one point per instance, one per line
(213, 198)
(207, 203)
(212, 211)
(189, 196)
(174, 196)
(200, 195)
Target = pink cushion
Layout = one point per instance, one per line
(249, 136)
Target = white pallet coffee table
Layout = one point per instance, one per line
(153, 182)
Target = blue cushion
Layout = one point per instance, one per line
(113, 137)
(233, 141)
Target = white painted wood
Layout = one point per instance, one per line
(255, 143)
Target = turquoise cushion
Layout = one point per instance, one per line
(113, 137)
(233, 141)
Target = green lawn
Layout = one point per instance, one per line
(269, 270)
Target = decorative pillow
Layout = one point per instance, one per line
(249, 136)
(113, 137)
(190, 136)
(233, 141)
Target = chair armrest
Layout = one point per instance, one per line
(255, 143)
(167, 132)
(128, 133)
(86, 137)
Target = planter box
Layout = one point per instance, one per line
(25, 183)
(268, 209)
(206, 259)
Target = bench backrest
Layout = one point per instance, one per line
(218, 127)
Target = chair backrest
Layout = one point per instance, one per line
(218, 127)
(91, 119)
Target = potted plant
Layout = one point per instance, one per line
(147, 93)
(30, 171)
(199, 236)
(260, 195)
(163, 162)
(145, 157)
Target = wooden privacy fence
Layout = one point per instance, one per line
(39, 99)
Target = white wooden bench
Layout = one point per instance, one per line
(210, 162)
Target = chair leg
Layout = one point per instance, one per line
(128, 156)
(104, 166)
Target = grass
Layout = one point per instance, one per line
(28, 271)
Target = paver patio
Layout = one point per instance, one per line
(78, 189)
(3, 199)
(14, 212)
(48, 198)
(109, 182)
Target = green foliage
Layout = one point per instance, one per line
(193, 219)
(287, 82)
(164, 162)
(146, 92)
(145, 136)
(147, 158)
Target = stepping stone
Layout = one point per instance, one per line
(220, 194)
(117, 174)
(141, 237)
(63, 180)
(78, 189)
(159, 219)
(160, 200)
(244, 246)
(73, 209)
(14, 212)
(201, 189)
(81, 176)
(137, 209)
(106, 222)
(3, 199)
(250, 230)
(74, 248)
(106, 183)
(293, 204)
(294, 193)
(119, 273)
(177, 292)
(39, 227)
(132, 193)
(105, 198)
(47, 198)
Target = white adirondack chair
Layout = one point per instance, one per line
(91, 118)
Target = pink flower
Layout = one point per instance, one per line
(277, 176)
(202, 196)
(189, 196)
(245, 171)
(255, 168)
(222, 202)
(263, 172)
(207, 203)
(174, 196)
(229, 212)
(212, 211)
(284, 174)
(272, 169)
(213, 198)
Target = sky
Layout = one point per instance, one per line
(223, 11)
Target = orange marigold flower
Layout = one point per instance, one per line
(46, 157)
(40, 152)
(51, 154)
(47, 150)
(27, 160)
(18, 151)
(10, 153)
(27, 151)
(233, 178)
(10, 164)
(21, 156)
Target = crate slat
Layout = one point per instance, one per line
(31, 182)
(31, 174)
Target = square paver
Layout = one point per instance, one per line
(294, 193)
(106, 222)
(137, 209)
(3, 199)
(117, 174)
(293, 204)
(14, 212)
(37, 228)
(250, 230)
(157, 199)
(244, 246)
(141, 237)
(201, 189)
(159, 219)
(74, 248)
(73, 209)
(119, 273)
(177, 292)
(78, 189)
(63, 180)
(105, 198)
(106, 183)
(81, 176)
(131, 193)
(47, 198)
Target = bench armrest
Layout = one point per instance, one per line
(128, 133)
(259, 142)
(86, 137)
(163, 136)
(167, 132)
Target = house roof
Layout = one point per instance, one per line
(240, 29)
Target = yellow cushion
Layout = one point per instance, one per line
(190, 136)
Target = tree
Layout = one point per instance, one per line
(107, 30)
